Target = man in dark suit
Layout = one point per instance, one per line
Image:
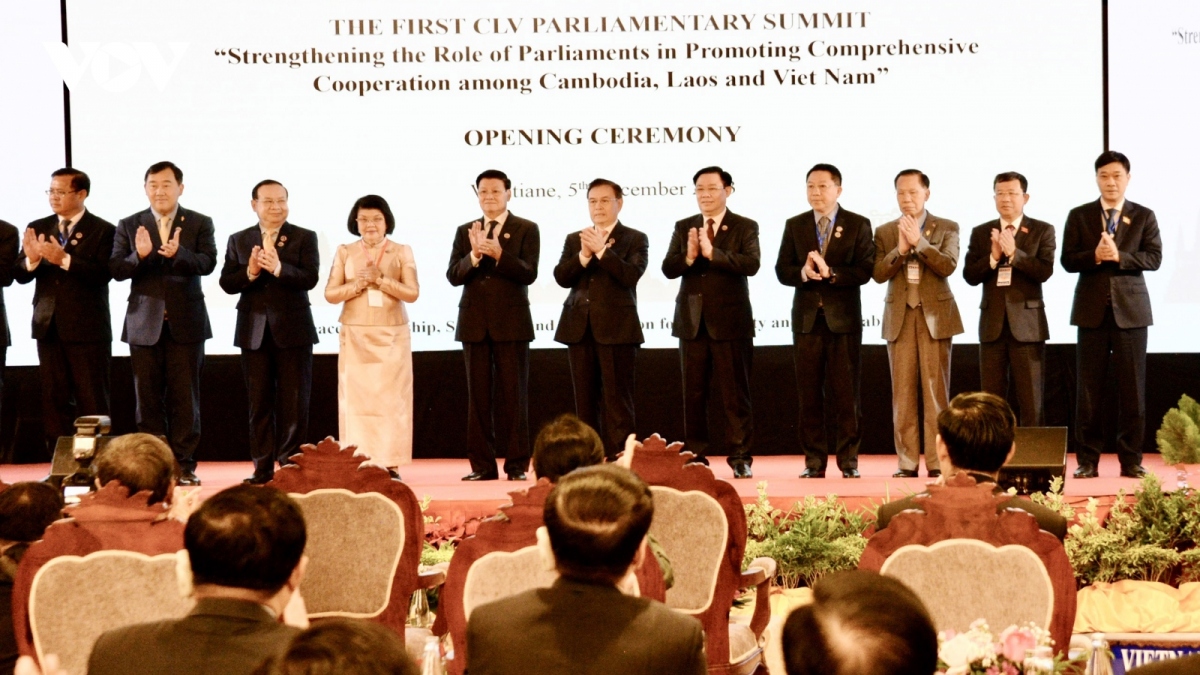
(246, 547)
(165, 250)
(584, 624)
(602, 265)
(495, 259)
(827, 254)
(1012, 257)
(1109, 243)
(273, 265)
(9, 243)
(67, 253)
(715, 251)
(975, 436)
(915, 255)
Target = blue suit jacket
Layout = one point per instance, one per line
(165, 286)
(280, 302)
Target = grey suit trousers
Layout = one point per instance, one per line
(920, 376)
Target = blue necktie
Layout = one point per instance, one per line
(1112, 221)
(822, 234)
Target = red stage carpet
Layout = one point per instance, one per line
(452, 499)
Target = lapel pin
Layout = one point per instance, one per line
(611, 242)
(1025, 229)
(838, 234)
(507, 235)
(1125, 219)
(928, 232)
(78, 235)
(724, 227)
(280, 244)
(283, 238)
(181, 218)
(838, 228)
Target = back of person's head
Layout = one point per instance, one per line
(343, 647)
(597, 517)
(140, 462)
(978, 430)
(860, 623)
(563, 445)
(27, 509)
(245, 537)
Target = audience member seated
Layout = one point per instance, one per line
(245, 549)
(136, 477)
(860, 623)
(563, 445)
(344, 647)
(596, 520)
(975, 436)
(26, 510)
(1186, 665)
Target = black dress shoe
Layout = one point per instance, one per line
(257, 480)
(742, 471)
(479, 475)
(851, 473)
(813, 473)
(1135, 471)
(188, 479)
(905, 473)
(393, 473)
(516, 475)
(1086, 471)
(935, 473)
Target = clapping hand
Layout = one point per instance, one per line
(818, 262)
(51, 250)
(268, 259)
(591, 241)
(253, 267)
(475, 235)
(31, 243)
(169, 249)
(693, 243)
(1106, 250)
(910, 234)
(369, 275)
(142, 243)
(490, 247)
(1008, 242)
(997, 248)
(706, 247)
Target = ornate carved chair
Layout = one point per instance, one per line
(75, 599)
(365, 534)
(701, 524)
(967, 562)
(500, 560)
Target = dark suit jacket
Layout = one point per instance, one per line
(1141, 249)
(604, 292)
(495, 297)
(76, 299)
(230, 637)
(1047, 519)
(719, 285)
(1021, 302)
(10, 241)
(850, 254)
(574, 628)
(170, 285)
(281, 302)
(937, 252)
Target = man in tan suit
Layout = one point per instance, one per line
(915, 255)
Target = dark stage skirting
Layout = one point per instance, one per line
(454, 501)
(440, 399)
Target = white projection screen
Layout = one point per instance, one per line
(1154, 64)
(338, 100)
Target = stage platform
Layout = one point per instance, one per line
(454, 501)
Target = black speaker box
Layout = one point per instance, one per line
(64, 463)
(1040, 457)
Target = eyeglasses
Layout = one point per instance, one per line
(1009, 194)
(709, 190)
(370, 221)
(606, 201)
(269, 203)
(59, 193)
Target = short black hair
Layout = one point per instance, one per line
(912, 172)
(1109, 156)
(496, 174)
(140, 462)
(162, 166)
(254, 192)
(978, 430)
(370, 202)
(27, 509)
(1009, 176)
(563, 445)
(597, 517)
(79, 180)
(343, 646)
(833, 171)
(726, 178)
(245, 537)
(620, 194)
(860, 623)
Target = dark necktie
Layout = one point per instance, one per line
(492, 229)
(1112, 221)
(708, 230)
(1009, 229)
(63, 225)
(822, 234)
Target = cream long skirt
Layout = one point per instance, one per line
(375, 392)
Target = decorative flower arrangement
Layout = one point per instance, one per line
(1016, 651)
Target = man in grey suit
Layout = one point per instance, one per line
(1011, 257)
(915, 255)
(597, 519)
(1109, 243)
(246, 549)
